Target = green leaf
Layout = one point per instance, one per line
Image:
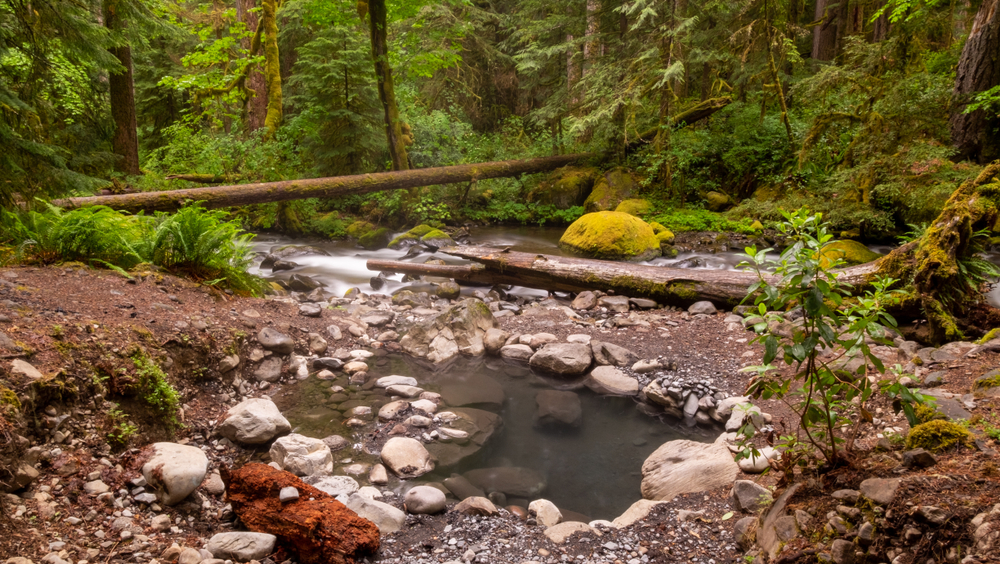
(727, 516)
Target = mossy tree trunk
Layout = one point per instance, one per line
(121, 89)
(377, 20)
(978, 70)
(255, 83)
(272, 66)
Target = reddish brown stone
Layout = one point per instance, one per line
(316, 527)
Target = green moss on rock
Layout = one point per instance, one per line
(564, 188)
(375, 239)
(437, 238)
(666, 237)
(611, 236)
(717, 201)
(410, 237)
(610, 189)
(851, 252)
(937, 436)
(635, 206)
(359, 228)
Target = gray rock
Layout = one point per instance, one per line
(214, 484)
(457, 330)
(617, 304)
(241, 546)
(611, 381)
(406, 457)
(757, 464)
(933, 514)
(866, 534)
(842, 552)
(333, 485)
(424, 500)
(476, 506)
(96, 487)
(516, 352)
(691, 406)
(174, 471)
(608, 353)
(378, 318)
(24, 476)
(228, 363)
(644, 366)
(850, 496)
(189, 556)
(643, 303)
(740, 413)
(269, 370)
(683, 466)
(161, 523)
(562, 359)
(494, 340)
(387, 518)
(301, 455)
(275, 341)
(750, 497)
(918, 458)
(462, 488)
(786, 528)
(563, 531)
(387, 381)
(310, 310)
(254, 421)
(744, 531)
(287, 494)
(19, 367)
(944, 403)
(703, 307)
(336, 442)
(935, 379)
(327, 363)
(584, 300)
(556, 408)
(880, 490)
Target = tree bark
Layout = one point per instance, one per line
(974, 133)
(272, 66)
(880, 28)
(125, 140)
(256, 85)
(377, 18)
(244, 194)
(825, 32)
(685, 117)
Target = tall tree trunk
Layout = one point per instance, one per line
(377, 19)
(272, 66)
(880, 29)
(974, 133)
(825, 32)
(255, 106)
(125, 141)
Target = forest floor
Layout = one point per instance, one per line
(81, 328)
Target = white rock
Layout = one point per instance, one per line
(611, 381)
(756, 465)
(302, 456)
(546, 513)
(387, 518)
(254, 421)
(426, 406)
(638, 510)
(407, 457)
(333, 485)
(424, 500)
(174, 471)
(561, 532)
(682, 466)
(19, 367)
(241, 546)
(386, 381)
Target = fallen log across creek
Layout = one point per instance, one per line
(285, 190)
(666, 285)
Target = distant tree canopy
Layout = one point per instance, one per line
(853, 92)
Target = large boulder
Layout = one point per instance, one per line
(635, 206)
(567, 187)
(851, 252)
(611, 381)
(611, 236)
(679, 467)
(174, 471)
(610, 189)
(562, 359)
(411, 237)
(457, 330)
(254, 421)
(302, 455)
(556, 408)
(407, 457)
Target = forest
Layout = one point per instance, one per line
(871, 111)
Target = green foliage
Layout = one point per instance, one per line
(824, 398)
(121, 429)
(193, 241)
(155, 389)
(693, 219)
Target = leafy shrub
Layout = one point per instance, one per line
(687, 219)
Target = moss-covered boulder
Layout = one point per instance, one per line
(635, 206)
(411, 237)
(611, 236)
(938, 435)
(359, 228)
(566, 187)
(851, 252)
(717, 201)
(757, 225)
(375, 239)
(437, 238)
(610, 189)
(987, 385)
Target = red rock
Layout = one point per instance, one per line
(316, 527)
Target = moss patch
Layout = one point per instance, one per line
(635, 206)
(717, 201)
(666, 237)
(609, 190)
(359, 229)
(567, 187)
(436, 238)
(411, 237)
(375, 239)
(611, 236)
(937, 436)
(851, 252)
